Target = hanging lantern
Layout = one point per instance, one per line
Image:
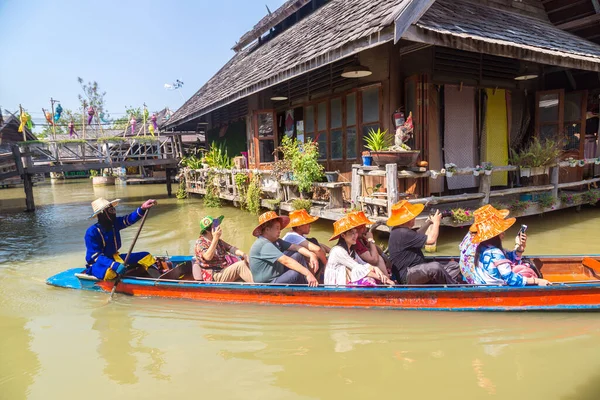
(153, 119)
(72, 129)
(57, 113)
(133, 122)
(49, 118)
(24, 118)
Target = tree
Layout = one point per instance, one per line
(121, 123)
(94, 97)
(62, 126)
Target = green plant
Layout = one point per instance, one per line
(461, 216)
(94, 173)
(274, 203)
(253, 195)
(299, 204)
(111, 139)
(191, 161)
(241, 183)
(537, 153)
(545, 200)
(182, 189)
(591, 196)
(306, 167)
(518, 206)
(488, 166)
(378, 140)
(217, 157)
(32, 142)
(66, 141)
(211, 198)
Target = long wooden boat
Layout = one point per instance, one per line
(576, 286)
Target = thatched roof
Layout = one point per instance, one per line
(336, 30)
(9, 130)
(469, 26)
(341, 28)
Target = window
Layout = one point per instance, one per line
(370, 110)
(351, 126)
(322, 129)
(265, 137)
(337, 133)
(309, 124)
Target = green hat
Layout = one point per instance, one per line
(207, 222)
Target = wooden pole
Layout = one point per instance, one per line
(144, 117)
(356, 189)
(83, 120)
(24, 131)
(485, 185)
(52, 116)
(554, 180)
(168, 175)
(391, 178)
(28, 186)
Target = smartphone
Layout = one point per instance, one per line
(215, 224)
(523, 229)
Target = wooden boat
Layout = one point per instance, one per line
(576, 286)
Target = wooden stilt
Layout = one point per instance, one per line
(391, 178)
(28, 186)
(168, 176)
(485, 185)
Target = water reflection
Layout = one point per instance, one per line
(122, 347)
(19, 365)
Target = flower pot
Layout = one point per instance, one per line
(449, 174)
(597, 161)
(367, 161)
(525, 172)
(539, 171)
(476, 173)
(401, 158)
(434, 174)
(581, 163)
(331, 176)
(487, 172)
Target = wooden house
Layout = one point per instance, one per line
(479, 77)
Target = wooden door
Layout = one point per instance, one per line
(416, 101)
(264, 138)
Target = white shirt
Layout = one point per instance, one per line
(339, 260)
(294, 238)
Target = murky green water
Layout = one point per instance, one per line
(58, 343)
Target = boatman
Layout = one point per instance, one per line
(103, 240)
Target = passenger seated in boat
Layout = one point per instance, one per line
(345, 266)
(494, 265)
(300, 222)
(103, 241)
(267, 261)
(365, 244)
(215, 260)
(408, 261)
(468, 248)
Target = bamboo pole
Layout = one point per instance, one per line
(144, 118)
(52, 116)
(83, 120)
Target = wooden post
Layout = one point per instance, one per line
(52, 118)
(356, 189)
(485, 185)
(554, 180)
(144, 118)
(168, 176)
(28, 186)
(391, 181)
(83, 120)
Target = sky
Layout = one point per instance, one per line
(130, 47)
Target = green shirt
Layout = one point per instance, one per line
(263, 259)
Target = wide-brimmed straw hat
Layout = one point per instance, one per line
(270, 216)
(344, 224)
(102, 204)
(484, 212)
(207, 222)
(404, 211)
(490, 227)
(300, 217)
(360, 216)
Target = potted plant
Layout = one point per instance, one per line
(581, 163)
(477, 170)
(306, 167)
(487, 168)
(367, 159)
(537, 157)
(450, 169)
(597, 161)
(572, 162)
(380, 145)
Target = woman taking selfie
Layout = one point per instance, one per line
(215, 260)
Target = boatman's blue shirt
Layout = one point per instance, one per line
(103, 245)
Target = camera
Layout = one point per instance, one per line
(445, 213)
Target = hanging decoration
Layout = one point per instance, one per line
(57, 113)
(103, 118)
(153, 119)
(133, 122)
(72, 129)
(151, 129)
(24, 117)
(146, 114)
(91, 114)
(29, 121)
(48, 116)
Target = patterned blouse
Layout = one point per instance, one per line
(219, 259)
(467, 258)
(495, 268)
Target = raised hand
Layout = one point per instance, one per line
(149, 204)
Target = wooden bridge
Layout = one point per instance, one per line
(43, 157)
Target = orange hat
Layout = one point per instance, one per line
(484, 212)
(270, 216)
(490, 227)
(404, 211)
(360, 216)
(344, 224)
(300, 217)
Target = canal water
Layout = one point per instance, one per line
(59, 343)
